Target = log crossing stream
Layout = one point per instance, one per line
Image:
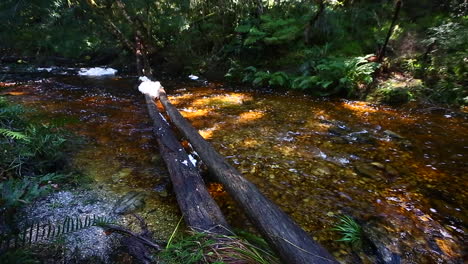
(400, 172)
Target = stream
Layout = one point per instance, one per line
(400, 172)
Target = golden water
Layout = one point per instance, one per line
(316, 159)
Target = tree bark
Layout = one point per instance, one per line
(200, 211)
(291, 242)
(390, 31)
(310, 24)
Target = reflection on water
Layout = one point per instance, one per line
(400, 172)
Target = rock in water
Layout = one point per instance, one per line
(129, 202)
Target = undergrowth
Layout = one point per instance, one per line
(32, 160)
(213, 248)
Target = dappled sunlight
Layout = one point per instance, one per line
(192, 113)
(250, 116)
(216, 189)
(220, 100)
(359, 106)
(179, 98)
(318, 157)
(207, 133)
(251, 142)
(315, 159)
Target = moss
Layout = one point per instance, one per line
(396, 91)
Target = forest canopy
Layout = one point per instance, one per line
(325, 47)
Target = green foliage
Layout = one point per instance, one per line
(19, 256)
(335, 76)
(31, 158)
(323, 77)
(447, 69)
(350, 230)
(212, 248)
(394, 95)
(13, 135)
(188, 250)
(27, 147)
(61, 24)
(271, 30)
(259, 78)
(18, 192)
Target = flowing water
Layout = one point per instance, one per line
(400, 172)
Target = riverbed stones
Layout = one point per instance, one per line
(129, 203)
(368, 170)
(123, 173)
(393, 134)
(88, 245)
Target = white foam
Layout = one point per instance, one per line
(97, 71)
(149, 87)
(144, 79)
(46, 69)
(193, 77)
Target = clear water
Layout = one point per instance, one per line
(400, 172)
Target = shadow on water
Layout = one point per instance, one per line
(401, 172)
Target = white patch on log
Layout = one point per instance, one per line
(163, 118)
(149, 87)
(193, 160)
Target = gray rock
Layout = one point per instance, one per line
(129, 203)
(368, 170)
(393, 134)
(162, 189)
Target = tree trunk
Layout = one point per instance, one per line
(390, 31)
(200, 211)
(291, 242)
(311, 23)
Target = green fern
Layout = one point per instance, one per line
(13, 134)
(37, 232)
(17, 192)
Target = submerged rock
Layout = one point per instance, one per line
(393, 134)
(380, 246)
(368, 170)
(130, 202)
(162, 189)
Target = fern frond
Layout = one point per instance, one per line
(13, 134)
(37, 232)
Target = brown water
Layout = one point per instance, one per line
(317, 159)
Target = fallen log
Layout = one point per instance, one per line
(293, 244)
(201, 213)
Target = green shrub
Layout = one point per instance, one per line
(335, 76)
(259, 78)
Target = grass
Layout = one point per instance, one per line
(208, 247)
(350, 230)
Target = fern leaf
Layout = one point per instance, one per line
(13, 134)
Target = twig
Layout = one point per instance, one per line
(144, 240)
